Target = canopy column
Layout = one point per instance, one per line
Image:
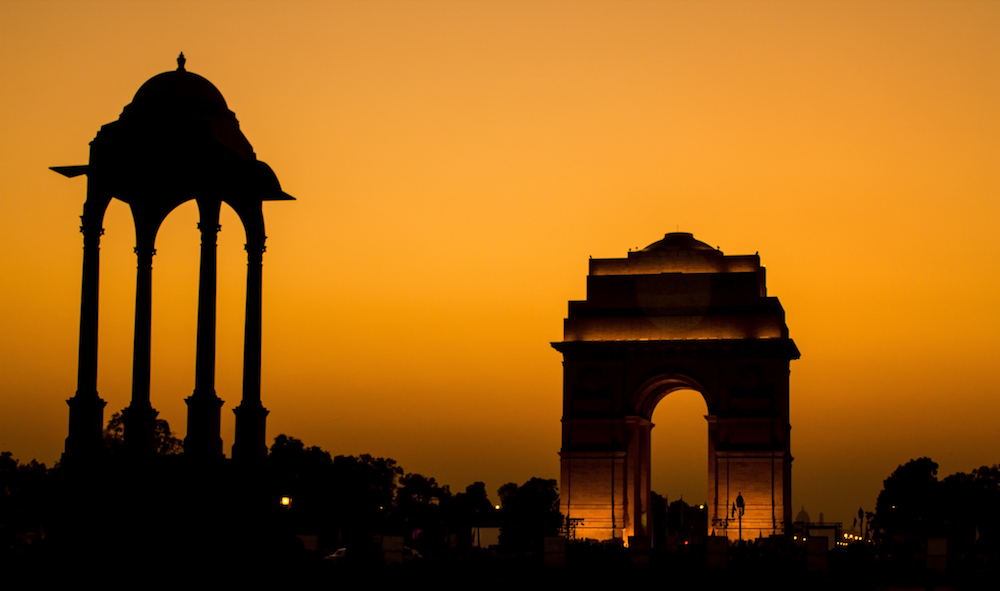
(86, 408)
(139, 417)
(251, 416)
(204, 406)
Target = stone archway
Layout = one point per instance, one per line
(675, 315)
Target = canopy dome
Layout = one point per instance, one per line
(179, 89)
(179, 132)
(179, 112)
(178, 93)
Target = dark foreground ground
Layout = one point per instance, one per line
(585, 567)
(175, 527)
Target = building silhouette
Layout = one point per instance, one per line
(675, 315)
(175, 142)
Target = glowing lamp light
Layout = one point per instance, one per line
(497, 507)
(286, 501)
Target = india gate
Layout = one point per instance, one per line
(675, 315)
(177, 141)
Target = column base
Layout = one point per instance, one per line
(203, 440)
(250, 447)
(85, 442)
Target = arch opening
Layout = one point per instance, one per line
(679, 469)
(231, 320)
(679, 454)
(116, 307)
(174, 314)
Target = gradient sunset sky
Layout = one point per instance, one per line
(455, 165)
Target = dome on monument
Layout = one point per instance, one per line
(179, 90)
(178, 112)
(802, 516)
(677, 241)
(178, 130)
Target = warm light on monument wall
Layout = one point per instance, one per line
(675, 315)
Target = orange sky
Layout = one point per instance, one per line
(456, 163)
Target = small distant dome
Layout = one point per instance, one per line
(802, 516)
(678, 241)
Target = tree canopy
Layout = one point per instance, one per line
(164, 442)
(529, 513)
(964, 508)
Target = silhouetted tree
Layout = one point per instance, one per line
(294, 460)
(364, 494)
(23, 494)
(688, 522)
(970, 504)
(473, 508)
(528, 513)
(963, 508)
(420, 511)
(164, 442)
(659, 511)
(306, 475)
(909, 504)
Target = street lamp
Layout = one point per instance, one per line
(861, 522)
(741, 506)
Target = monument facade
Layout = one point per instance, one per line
(675, 315)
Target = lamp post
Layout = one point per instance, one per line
(861, 522)
(741, 506)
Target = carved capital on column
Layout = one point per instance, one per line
(262, 247)
(255, 252)
(209, 235)
(91, 234)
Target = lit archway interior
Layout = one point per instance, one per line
(678, 453)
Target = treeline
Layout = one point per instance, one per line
(347, 499)
(24, 492)
(964, 509)
(167, 506)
